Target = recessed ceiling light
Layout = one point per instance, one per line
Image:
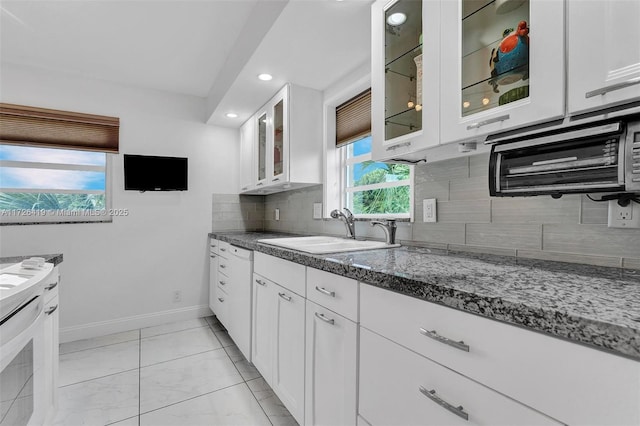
(232, 115)
(397, 18)
(265, 77)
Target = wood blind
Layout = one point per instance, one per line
(353, 119)
(25, 125)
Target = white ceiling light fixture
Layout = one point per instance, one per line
(265, 77)
(396, 19)
(232, 115)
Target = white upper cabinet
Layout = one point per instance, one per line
(604, 53)
(502, 66)
(247, 158)
(286, 152)
(405, 76)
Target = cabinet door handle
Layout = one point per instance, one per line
(400, 145)
(325, 319)
(220, 299)
(259, 183)
(223, 266)
(285, 297)
(431, 394)
(244, 188)
(222, 282)
(275, 179)
(51, 310)
(489, 121)
(261, 282)
(435, 336)
(51, 286)
(613, 87)
(325, 291)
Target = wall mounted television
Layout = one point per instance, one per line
(154, 173)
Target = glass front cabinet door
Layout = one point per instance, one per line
(502, 65)
(279, 134)
(405, 76)
(261, 148)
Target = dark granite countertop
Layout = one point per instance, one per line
(55, 258)
(591, 305)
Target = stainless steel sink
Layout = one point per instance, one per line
(325, 244)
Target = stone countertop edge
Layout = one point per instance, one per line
(55, 258)
(619, 336)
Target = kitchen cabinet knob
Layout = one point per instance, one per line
(431, 394)
(435, 336)
(325, 319)
(613, 87)
(285, 297)
(223, 266)
(325, 291)
(489, 121)
(220, 299)
(222, 282)
(51, 310)
(51, 286)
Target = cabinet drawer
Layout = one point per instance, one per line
(221, 306)
(517, 362)
(287, 274)
(214, 246)
(224, 248)
(395, 385)
(339, 294)
(224, 282)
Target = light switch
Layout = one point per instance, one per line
(277, 214)
(429, 210)
(317, 210)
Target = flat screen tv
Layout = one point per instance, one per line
(153, 173)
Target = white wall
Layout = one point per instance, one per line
(121, 275)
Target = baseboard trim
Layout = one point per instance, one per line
(102, 328)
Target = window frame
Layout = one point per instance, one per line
(41, 216)
(334, 173)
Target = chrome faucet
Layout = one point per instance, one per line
(348, 221)
(389, 229)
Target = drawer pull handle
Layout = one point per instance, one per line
(51, 310)
(223, 249)
(275, 180)
(51, 286)
(261, 282)
(213, 256)
(220, 299)
(222, 265)
(435, 336)
(489, 121)
(325, 319)
(285, 297)
(431, 394)
(612, 88)
(222, 282)
(325, 291)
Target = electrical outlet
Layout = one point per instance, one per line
(624, 217)
(429, 210)
(317, 210)
(276, 214)
(177, 296)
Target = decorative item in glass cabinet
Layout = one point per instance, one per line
(495, 60)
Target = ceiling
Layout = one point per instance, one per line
(212, 49)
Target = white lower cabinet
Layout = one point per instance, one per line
(398, 386)
(331, 370)
(51, 344)
(278, 342)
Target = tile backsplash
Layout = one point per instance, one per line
(572, 228)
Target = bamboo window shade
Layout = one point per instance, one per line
(25, 125)
(353, 119)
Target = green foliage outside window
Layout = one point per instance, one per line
(47, 201)
(382, 200)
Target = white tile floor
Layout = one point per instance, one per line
(185, 373)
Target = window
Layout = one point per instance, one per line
(53, 165)
(374, 189)
(52, 185)
(368, 188)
